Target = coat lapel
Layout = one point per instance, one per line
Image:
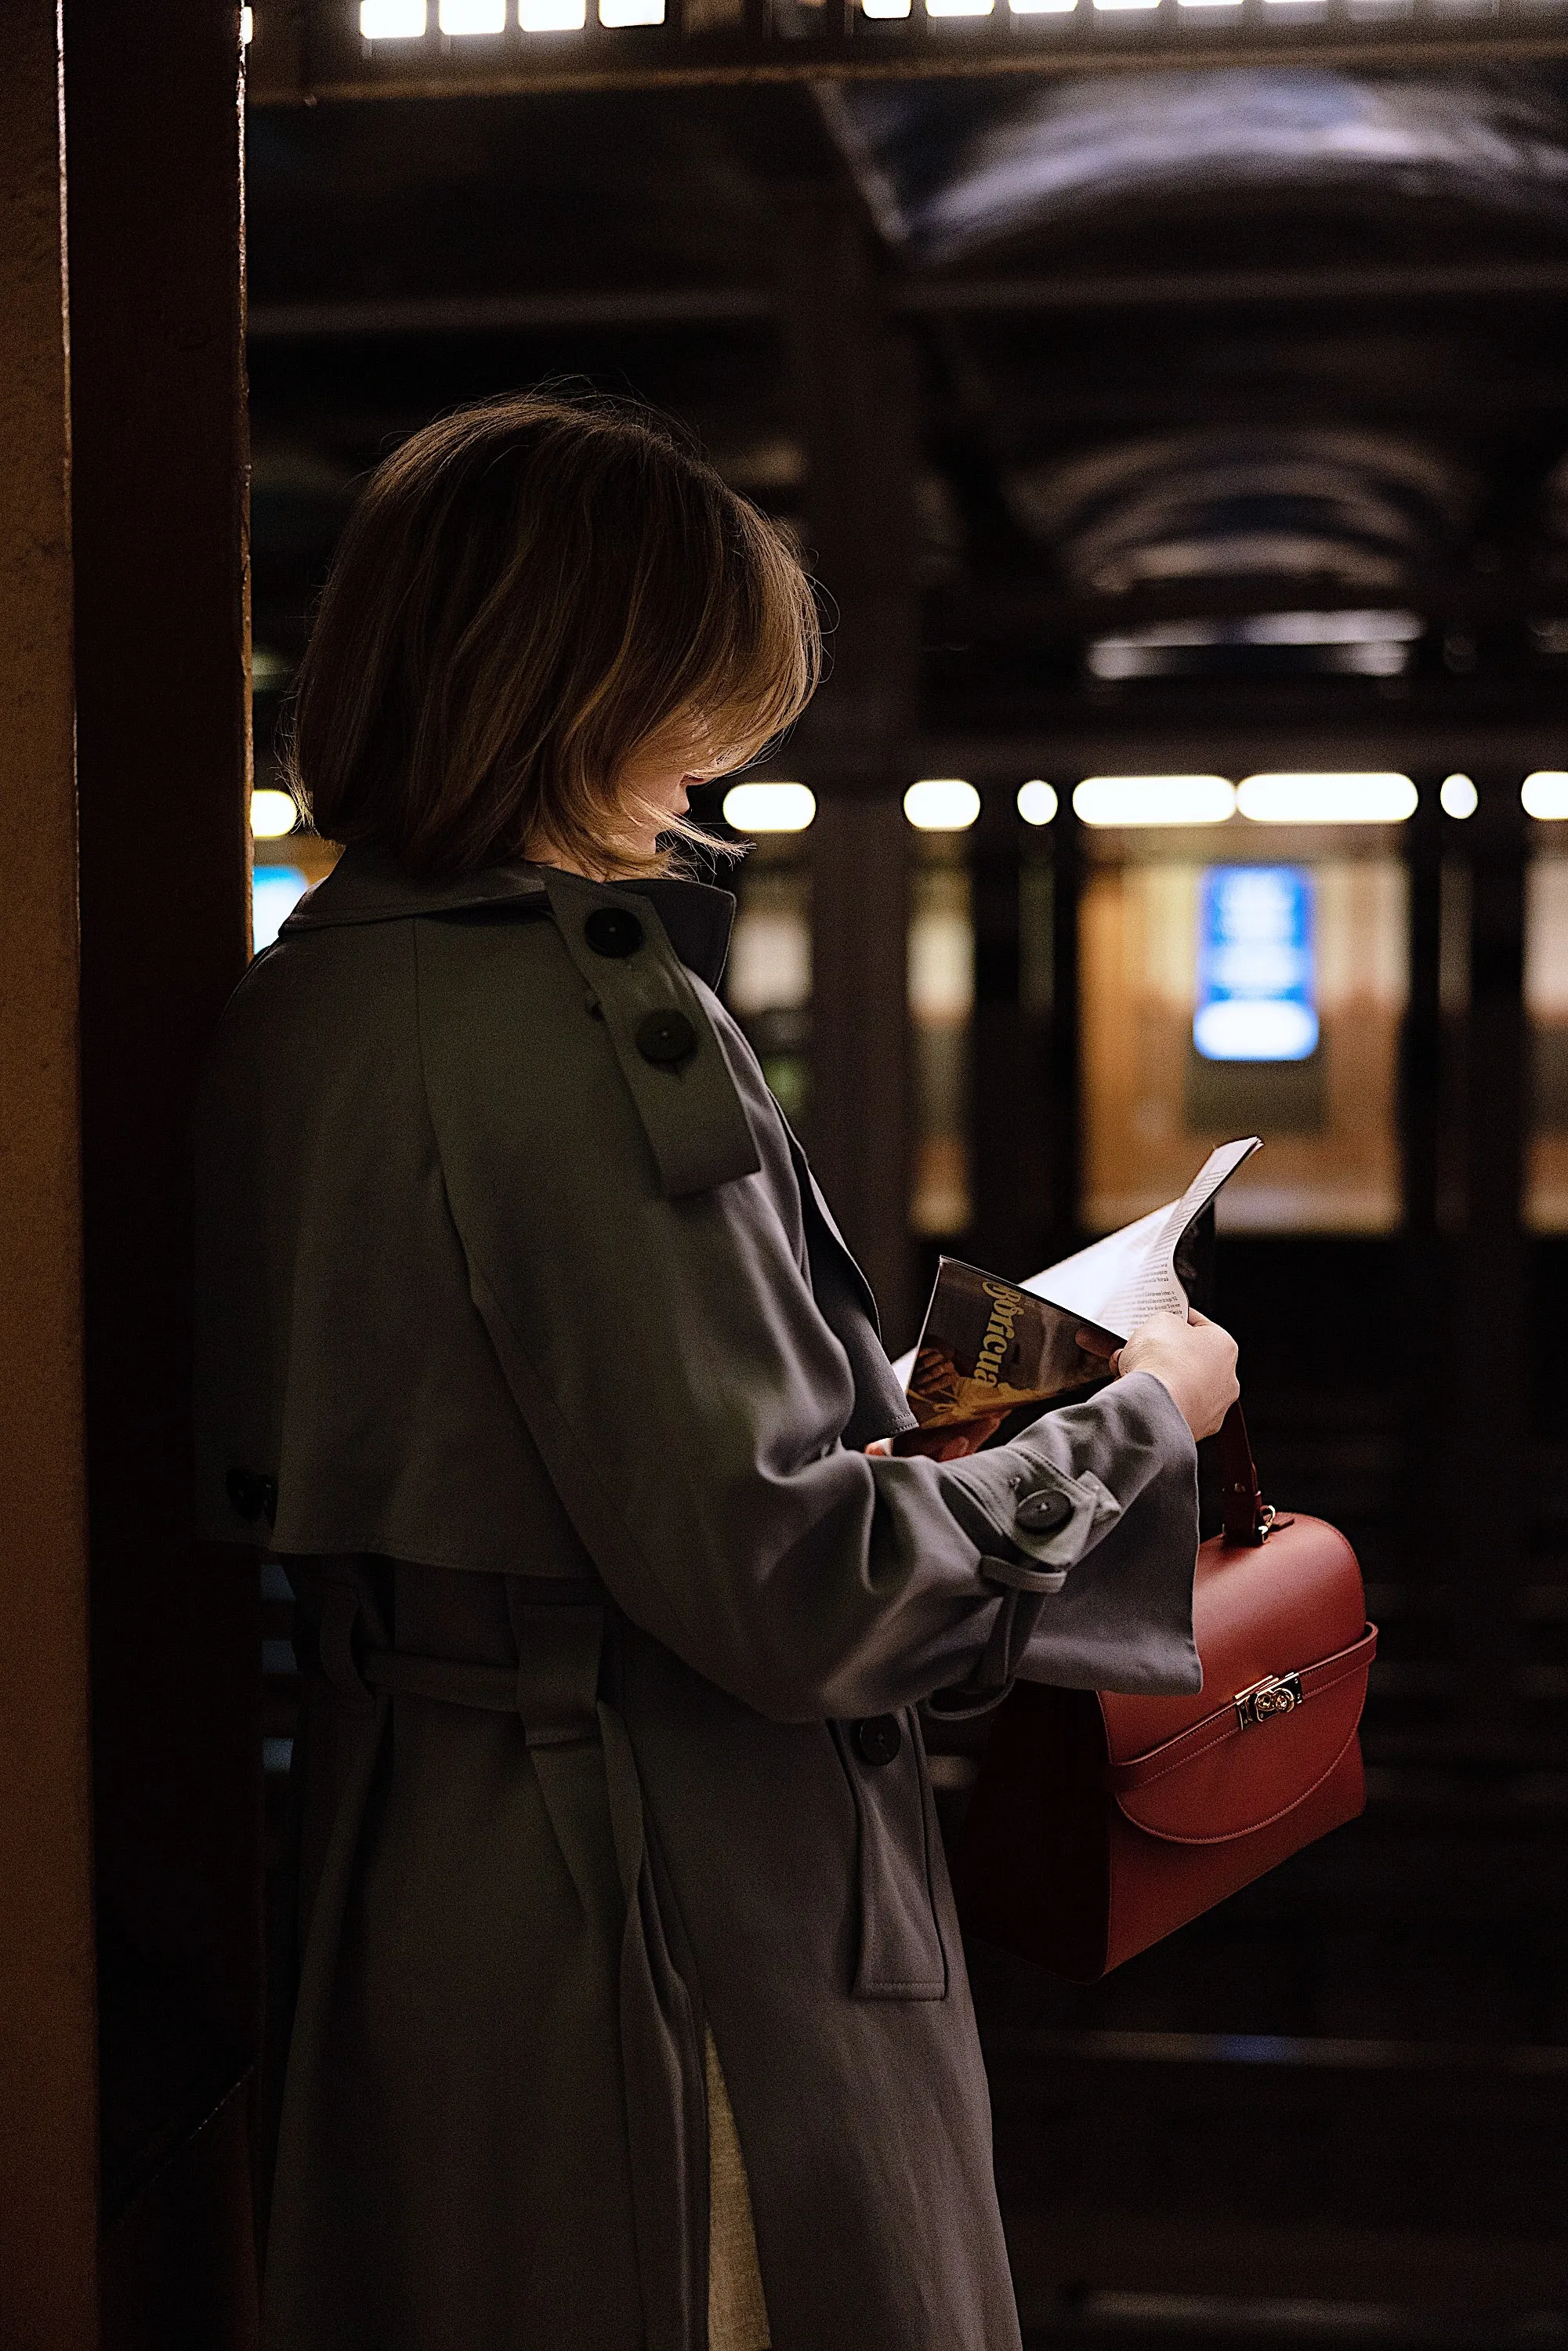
(848, 1308)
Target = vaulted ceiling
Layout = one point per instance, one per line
(1240, 389)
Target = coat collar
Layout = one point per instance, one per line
(368, 885)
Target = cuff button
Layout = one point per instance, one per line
(1043, 1513)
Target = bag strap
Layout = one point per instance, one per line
(1247, 1517)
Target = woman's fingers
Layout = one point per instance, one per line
(1095, 1343)
(1196, 1362)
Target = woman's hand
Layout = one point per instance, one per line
(1196, 1359)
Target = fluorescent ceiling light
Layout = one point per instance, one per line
(272, 814)
(552, 16)
(1154, 800)
(391, 20)
(1457, 796)
(1118, 657)
(942, 804)
(1545, 794)
(616, 13)
(1327, 800)
(1371, 628)
(770, 808)
(1379, 660)
(1037, 801)
(885, 7)
(463, 16)
(1374, 643)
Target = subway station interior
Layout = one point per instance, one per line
(1171, 399)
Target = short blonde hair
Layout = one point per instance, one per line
(529, 594)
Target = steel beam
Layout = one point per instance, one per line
(314, 53)
(509, 314)
(1216, 288)
(702, 306)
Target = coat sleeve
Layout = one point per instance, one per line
(688, 1396)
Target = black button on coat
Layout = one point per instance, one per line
(560, 1374)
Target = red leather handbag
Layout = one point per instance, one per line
(1099, 1823)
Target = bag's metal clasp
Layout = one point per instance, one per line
(1279, 1694)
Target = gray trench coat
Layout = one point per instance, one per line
(527, 1340)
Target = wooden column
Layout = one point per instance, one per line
(153, 134)
(853, 395)
(48, 2091)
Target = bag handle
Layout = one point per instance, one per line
(1247, 1517)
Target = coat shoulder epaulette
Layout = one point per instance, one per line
(669, 1055)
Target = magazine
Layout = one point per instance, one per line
(992, 1354)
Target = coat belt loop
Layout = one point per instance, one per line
(559, 1650)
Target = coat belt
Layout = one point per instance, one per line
(558, 1625)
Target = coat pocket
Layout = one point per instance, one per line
(901, 1954)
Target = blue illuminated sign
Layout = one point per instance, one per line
(1255, 964)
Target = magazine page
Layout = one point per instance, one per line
(1131, 1275)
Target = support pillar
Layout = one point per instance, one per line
(154, 135)
(853, 394)
(1427, 1400)
(48, 2151)
(1489, 1333)
(1065, 1085)
(1024, 1062)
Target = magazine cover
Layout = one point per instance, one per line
(990, 1359)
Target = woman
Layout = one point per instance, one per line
(632, 2010)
